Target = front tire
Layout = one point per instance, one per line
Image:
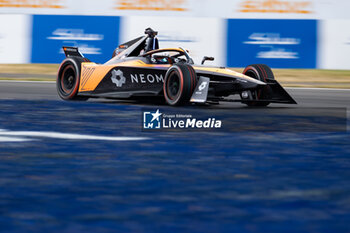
(179, 84)
(262, 73)
(68, 80)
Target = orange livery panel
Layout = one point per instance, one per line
(92, 74)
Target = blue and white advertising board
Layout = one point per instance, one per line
(96, 37)
(277, 43)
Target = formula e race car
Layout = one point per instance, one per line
(139, 69)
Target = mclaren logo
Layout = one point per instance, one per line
(118, 78)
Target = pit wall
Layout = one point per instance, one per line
(279, 33)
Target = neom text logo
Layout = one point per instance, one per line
(151, 5)
(276, 6)
(158, 120)
(32, 3)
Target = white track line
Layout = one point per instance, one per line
(43, 134)
(14, 139)
(23, 81)
(316, 88)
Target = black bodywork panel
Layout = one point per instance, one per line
(124, 79)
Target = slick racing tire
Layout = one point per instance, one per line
(262, 73)
(68, 79)
(179, 84)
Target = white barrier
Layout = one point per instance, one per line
(201, 36)
(334, 44)
(15, 38)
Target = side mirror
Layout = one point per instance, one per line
(205, 58)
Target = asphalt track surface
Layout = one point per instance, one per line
(306, 97)
(88, 166)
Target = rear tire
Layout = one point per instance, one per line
(262, 73)
(68, 79)
(179, 84)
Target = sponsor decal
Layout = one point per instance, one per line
(74, 50)
(276, 6)
(278, 54)
(118, 78)
(74, 34)
(277, 43)
(176, 37)
(132, 79)
(202, 86)
(149, 78)
(56, 4)
(86, 48)
(51, 32)
(158, 120)
(271, 39)
(152, 5)
(74, 37)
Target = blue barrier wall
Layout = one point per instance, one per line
(96, 37)
(277, 43)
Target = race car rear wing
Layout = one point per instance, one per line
(72, 52)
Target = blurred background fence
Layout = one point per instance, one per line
(280, 33)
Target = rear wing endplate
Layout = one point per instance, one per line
(72, 52)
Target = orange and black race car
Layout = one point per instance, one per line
(139, 69)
